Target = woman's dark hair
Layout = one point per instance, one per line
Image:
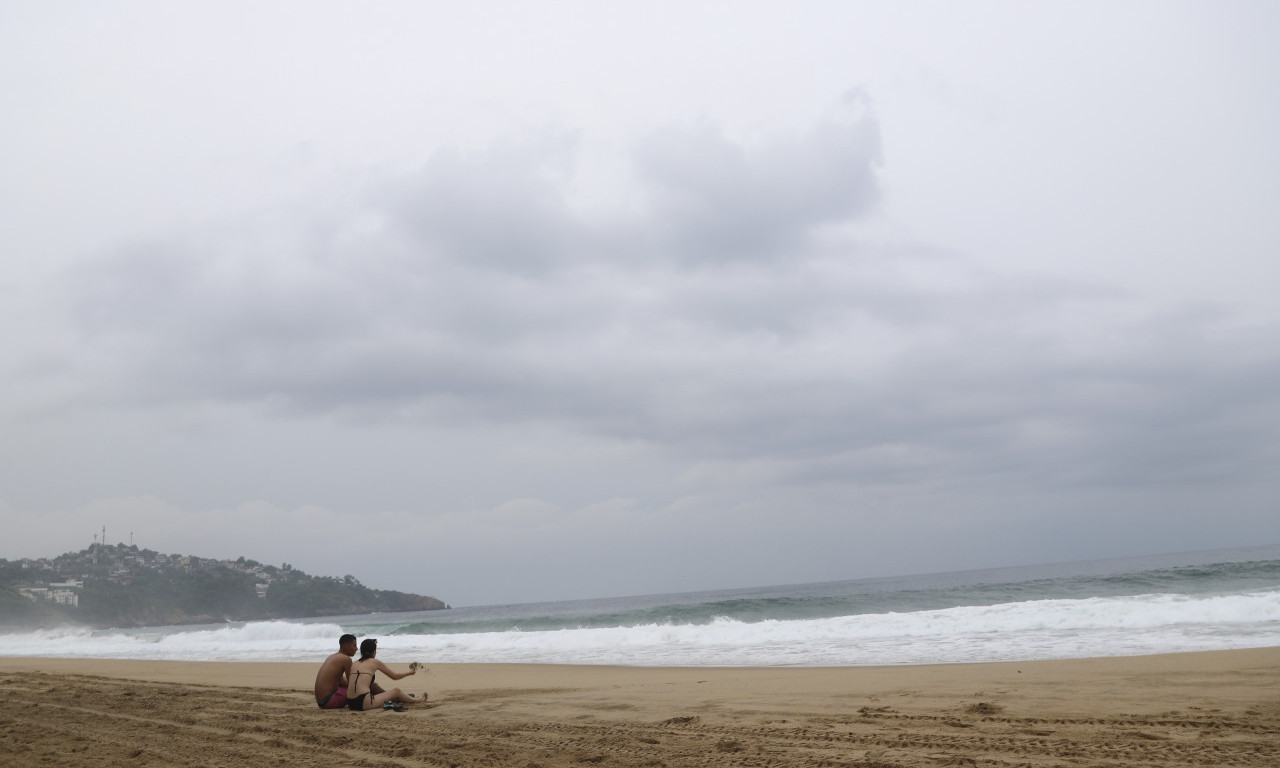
(368, 647)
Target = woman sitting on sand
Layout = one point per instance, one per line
(360, 679)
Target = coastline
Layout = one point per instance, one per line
(1216, 707)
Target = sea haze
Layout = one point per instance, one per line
(1187, 602)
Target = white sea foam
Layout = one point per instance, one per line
(1041, 629)
(258, 641)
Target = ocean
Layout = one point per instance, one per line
(1198, 601)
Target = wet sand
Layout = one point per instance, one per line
(1210, 709)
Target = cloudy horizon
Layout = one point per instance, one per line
(565, 301)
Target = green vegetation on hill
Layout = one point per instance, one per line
(123, 586)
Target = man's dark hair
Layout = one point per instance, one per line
(346, 639)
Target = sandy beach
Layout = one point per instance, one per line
(1211, 709)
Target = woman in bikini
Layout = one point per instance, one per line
(360, 679)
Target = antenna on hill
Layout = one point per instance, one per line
(104, 535)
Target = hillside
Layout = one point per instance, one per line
(123, 586)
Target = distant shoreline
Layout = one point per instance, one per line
(125, 587)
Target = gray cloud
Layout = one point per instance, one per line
(610, 300)
(714, 201)
(714, 324)
(480, 272)
(502, 209)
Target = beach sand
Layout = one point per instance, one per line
(1210, 709)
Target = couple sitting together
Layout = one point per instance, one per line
(342, 682)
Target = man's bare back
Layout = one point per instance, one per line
(332, 675)
(333, 672)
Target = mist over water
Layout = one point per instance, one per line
(1189, 602)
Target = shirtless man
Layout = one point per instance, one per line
(331, 681)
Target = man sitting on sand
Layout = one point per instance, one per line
(331, 681)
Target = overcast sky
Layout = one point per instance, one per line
(503, 302)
